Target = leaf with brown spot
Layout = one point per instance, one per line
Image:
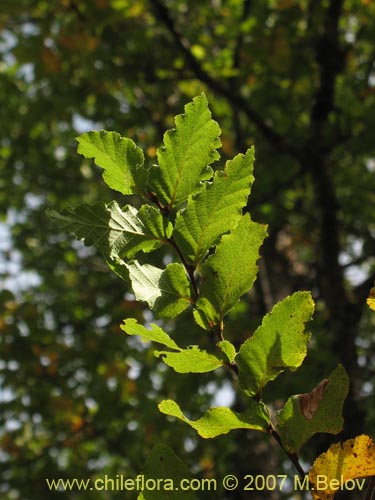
(309, 402)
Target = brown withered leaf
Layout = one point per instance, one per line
(309, 402)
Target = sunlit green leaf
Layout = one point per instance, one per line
(190, 360)
(154, 334)
(228, 349)
(187, 151)
(279, 343)
(167, 292)
(221, 420)
(114, 231)
(118, 156)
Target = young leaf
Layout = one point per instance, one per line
(188, 150)
(190, 360)
(215, 210)
(228, 349)
(221, 420)
(114, 231)
(279, 343)
(167, 292)
(229, 272)
(167, 470)
(120, 158)
(347, 461)
(296, 425)
(154, 334)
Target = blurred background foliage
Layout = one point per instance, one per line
(294, 77)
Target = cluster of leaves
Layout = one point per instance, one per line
(199, 214)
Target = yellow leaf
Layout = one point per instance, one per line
(340, 468)
(371, 299)
(151, 152)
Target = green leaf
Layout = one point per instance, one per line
(279, 343)
(188, 150)
(229, 272)
(114, 231)
(167, 470)
(190, 360)
(215, 210)
(221, 420)
(167, 292)
(120, 158)
(228, 349)
(319, 411)
(154, 334)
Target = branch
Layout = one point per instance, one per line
(274, 138)
(189, 269)
(233, 80)
(292, 456)
(330, 57)
(246, 6)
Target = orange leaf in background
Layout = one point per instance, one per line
(50, 60)
(76, 423)
(78, 41)
(371, 299)
(340, 467)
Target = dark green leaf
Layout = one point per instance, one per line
(229, 272)
(167, 470)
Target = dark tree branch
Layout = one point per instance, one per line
(276, 140)
(234, 80)
(330, 57)
(246, 7)
(292, 456)
(343, 316)
(311, 6)
(189, 269)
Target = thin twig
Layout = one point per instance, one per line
(292, 456)
(189, 269)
